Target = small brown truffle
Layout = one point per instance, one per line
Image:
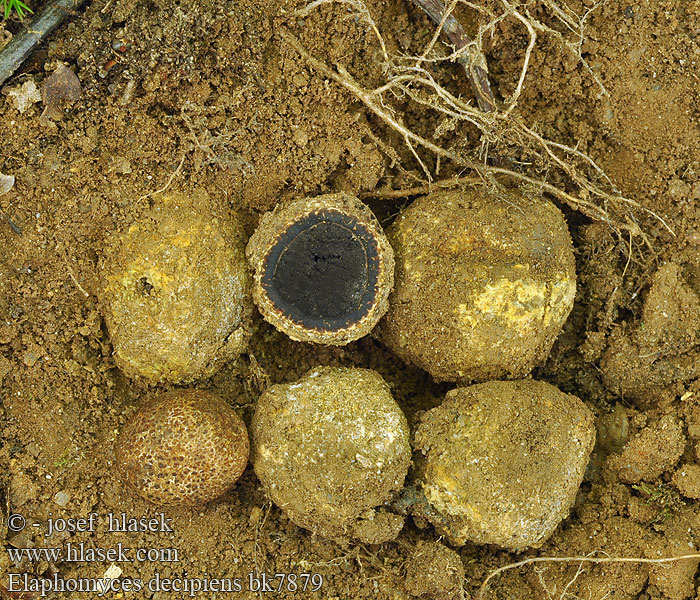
(182, 447)
(331, 448)
(483, 284)
(503, 461)
(175, 291)
(323, 269)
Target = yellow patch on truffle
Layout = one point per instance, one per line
(524, 304)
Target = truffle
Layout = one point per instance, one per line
(175, 291)
(323, 269)
(483, 284)
(331, 448)
(182, 447)
(503, 461)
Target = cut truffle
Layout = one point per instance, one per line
(323, 269)
(182, 447)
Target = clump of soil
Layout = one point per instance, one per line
(182, 447)
(660, 349)
(175, 291)
(654, 450)
(687, 480)
(483, 284)
(434, 571)
(503, 461)
(331, 448)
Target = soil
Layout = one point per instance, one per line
(208, 96)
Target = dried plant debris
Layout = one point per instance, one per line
(24, 96)
(5, 37)
(62, 88)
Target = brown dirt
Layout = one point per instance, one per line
(214, 82)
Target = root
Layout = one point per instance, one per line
(581, 560)
(504, 134)
(168, 183)
(474, 63)
(256, 544)
(214, 146)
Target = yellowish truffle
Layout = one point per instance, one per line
(330, 449)
(482, 285)
(175, 291)
(503, 461)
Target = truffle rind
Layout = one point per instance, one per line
(503, 461)
(483, 284)
(182, 447)
(175, 291)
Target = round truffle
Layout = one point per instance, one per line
(483, 284)
(331, 448)
(182, 447)
(323, 269)
(503, 461)
(175, 291)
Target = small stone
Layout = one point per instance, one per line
(61, 88)
(300, 80)
(61, 498)
(6, 183)
(30, 358)
(301, 138)
(121, 165)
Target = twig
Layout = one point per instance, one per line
(473, 62)
(22, 44)
(12, 224)
(580, 559)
